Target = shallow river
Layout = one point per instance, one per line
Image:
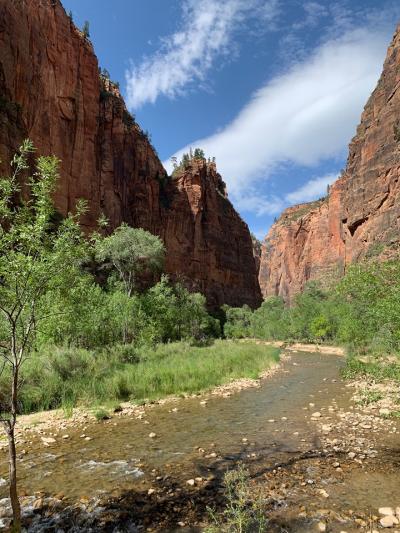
(121, 455)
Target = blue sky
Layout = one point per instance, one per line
(273, 89)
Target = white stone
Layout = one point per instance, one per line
(152, 435)
(191, 482)
(316, 415)
(386, 511)
(388, 521)
(321, 526)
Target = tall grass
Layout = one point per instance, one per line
(60, 377)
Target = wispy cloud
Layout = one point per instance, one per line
(303, 116)
(186, 56)
(313, 189)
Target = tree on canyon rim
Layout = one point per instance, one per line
(37, 255)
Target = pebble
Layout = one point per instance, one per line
(48, 440)
(65, 436)
(321, 526)
(351, 455)
(152, 435)
(386, 511)
(151, 491)
(388, 521)
(191, 482)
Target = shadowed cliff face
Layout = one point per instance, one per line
(360, 218)
(204, 232)
(51, 92)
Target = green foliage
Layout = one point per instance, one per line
(56, 377)
(238, 322)
(39, 254)
(362, 311)
(198, 154)
(85, 29)
(131, 252)
(243, 513)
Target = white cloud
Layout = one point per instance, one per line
(312, 190)
(187, 55)
(301, 117)
(259, 204)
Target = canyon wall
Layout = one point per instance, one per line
(360, 218)
(51, 92)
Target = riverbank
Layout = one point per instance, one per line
(239, 367)
(301, 434)
(62, 419)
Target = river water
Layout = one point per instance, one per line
(269, 422)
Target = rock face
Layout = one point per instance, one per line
(360, 218)
(51, 92)
(204, 232)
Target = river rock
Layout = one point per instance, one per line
(317, 414)
(152, 435)
(388, 521)
(48, 440)
(191, 482)
(386, 511)
(384, 411)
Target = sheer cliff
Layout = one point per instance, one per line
(360, 218)
(51, 92)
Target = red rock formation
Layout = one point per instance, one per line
(209, 237)
(361, 217)
(51, 92)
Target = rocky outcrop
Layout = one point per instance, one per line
(51, 92)
(360, 218)
(204, 232)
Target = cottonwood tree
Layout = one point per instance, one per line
(132, 252)
(38, 253)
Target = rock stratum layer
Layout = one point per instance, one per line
(51, 92)
(360, 218)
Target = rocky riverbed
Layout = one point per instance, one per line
(320, 459)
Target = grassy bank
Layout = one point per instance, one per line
(69, 377)
(377, 369)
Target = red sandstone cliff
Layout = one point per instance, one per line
(204, 232)
(361, 216)
(51, 92)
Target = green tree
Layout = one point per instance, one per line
(132, 252)
(199, 154)
(238, 322)
(36, 256)
(85, 30)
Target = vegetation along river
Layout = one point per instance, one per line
(292, 433)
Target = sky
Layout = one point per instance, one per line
(273, 89)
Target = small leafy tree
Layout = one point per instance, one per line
(132, 252)
(37, 255)
(199, 154)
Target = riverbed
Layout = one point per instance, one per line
(164, 468)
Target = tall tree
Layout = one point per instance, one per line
(37, 255)
(132, 252)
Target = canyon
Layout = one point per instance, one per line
(51, 91)
(360, 217)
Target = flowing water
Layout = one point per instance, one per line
(272, 422)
